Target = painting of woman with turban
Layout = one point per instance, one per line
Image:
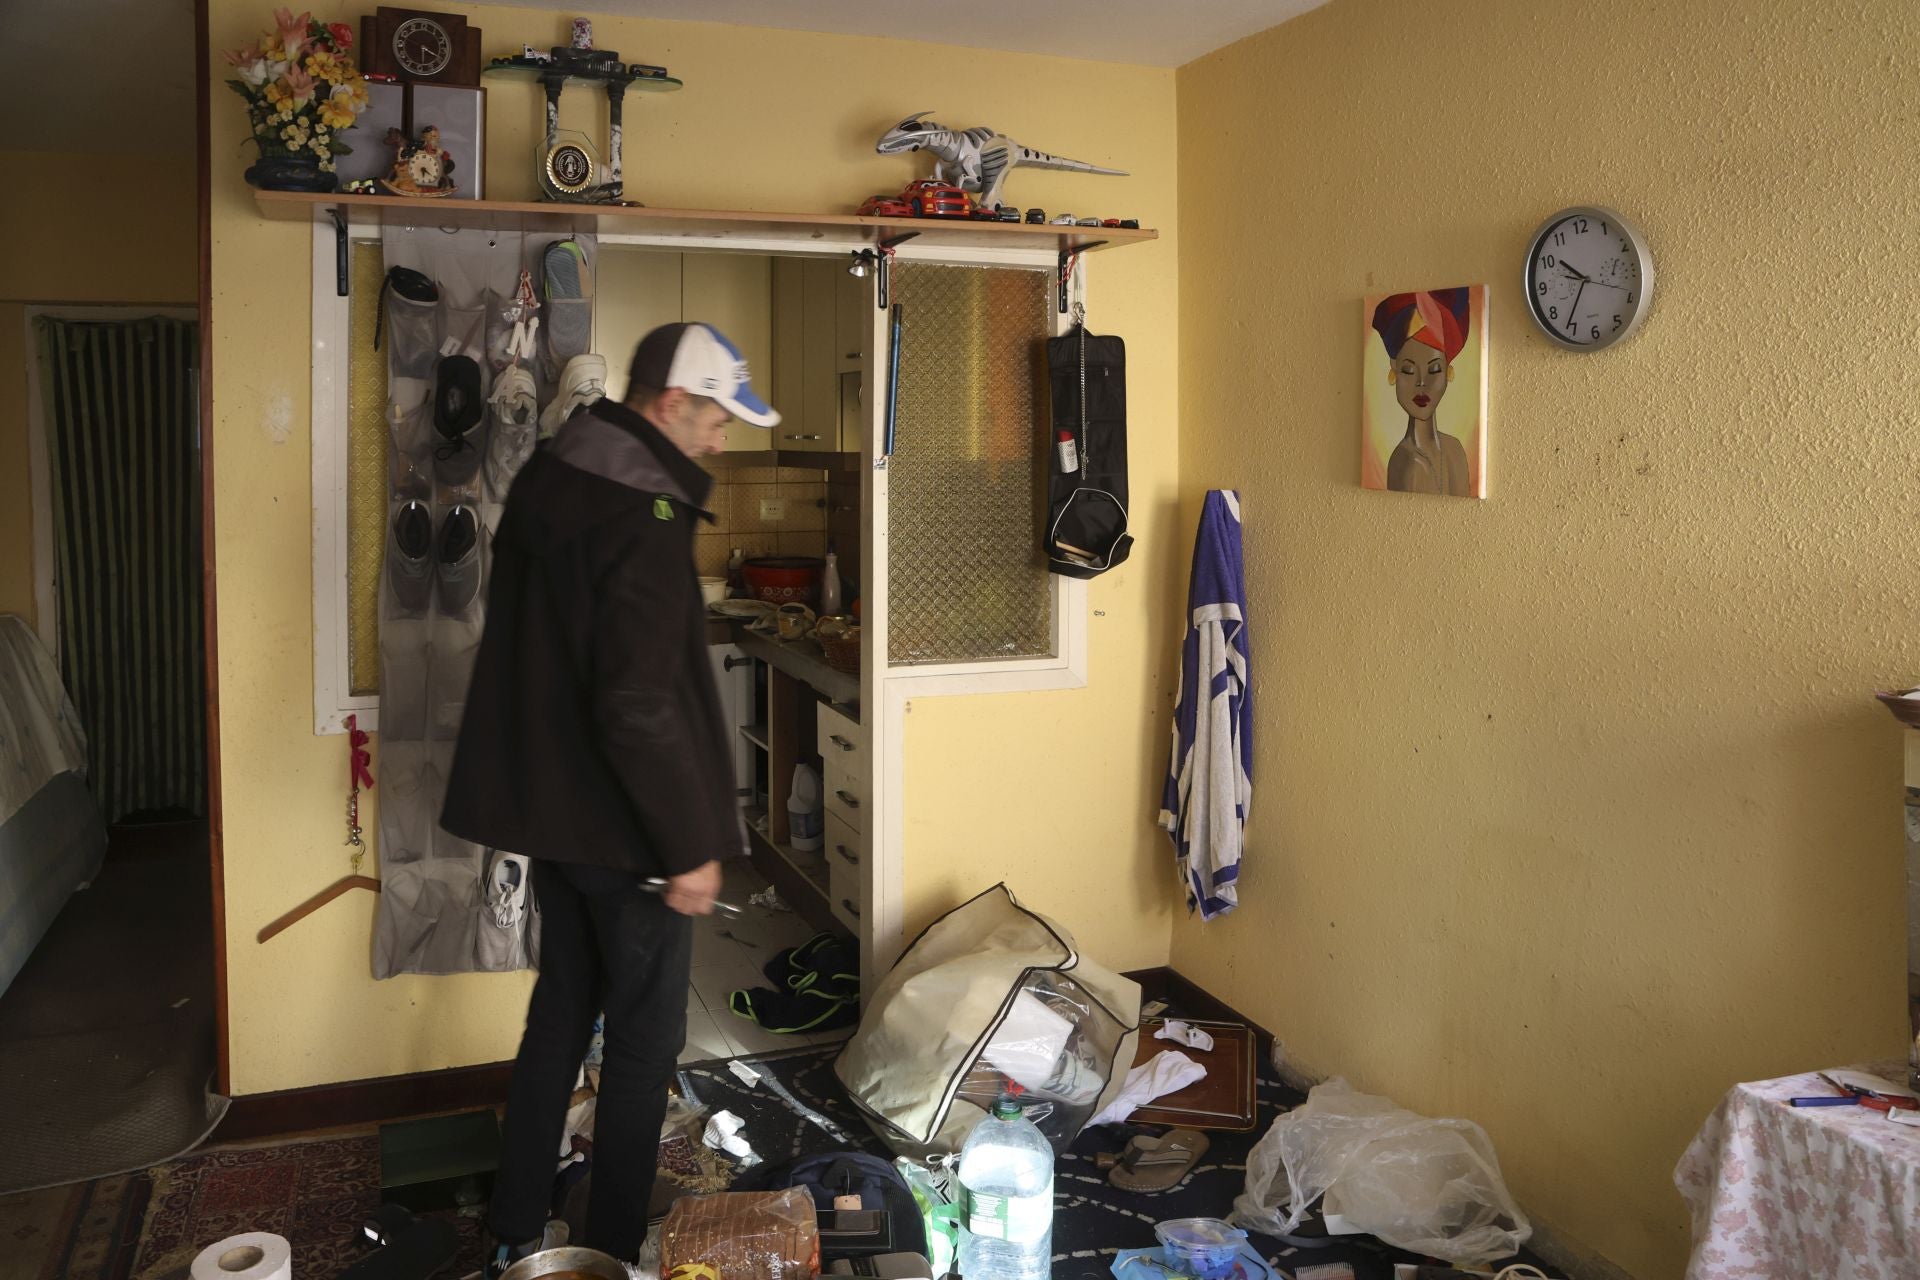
(1428, 434)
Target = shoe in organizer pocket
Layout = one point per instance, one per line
(515, 429)
(457, 568)
(412, 334)
(459, 417)
(409, 560)
(583, 383)
(567, 285)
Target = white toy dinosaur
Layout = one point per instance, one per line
(976, 159)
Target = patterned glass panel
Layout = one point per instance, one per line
(366, 470)
(966, 484)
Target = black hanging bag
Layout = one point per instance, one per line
(1086, 532)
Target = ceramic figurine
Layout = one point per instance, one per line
(976, 159)
(419, 168)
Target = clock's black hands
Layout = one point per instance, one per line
(1573, 311)
(1568, 267)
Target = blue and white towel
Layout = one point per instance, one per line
(1210, 777)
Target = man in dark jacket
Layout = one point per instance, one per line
(593, 743)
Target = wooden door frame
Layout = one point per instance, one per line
(209, 628)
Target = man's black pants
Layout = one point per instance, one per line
(605, 944)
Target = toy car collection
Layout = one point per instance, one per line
(932, 199)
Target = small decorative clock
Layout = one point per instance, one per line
(422, 47)
(419, 46)
(1589, 278)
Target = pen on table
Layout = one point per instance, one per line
(1825, 1100)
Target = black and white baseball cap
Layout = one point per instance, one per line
(699, 358)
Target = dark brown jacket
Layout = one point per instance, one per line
(593, 733)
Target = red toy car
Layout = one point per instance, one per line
(885, 207)
(939, 200)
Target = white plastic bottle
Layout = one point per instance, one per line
(1006, 1181)
(830, 584)
(805, 821)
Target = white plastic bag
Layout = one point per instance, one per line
(1429, 1186)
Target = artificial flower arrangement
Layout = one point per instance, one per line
(302, 89)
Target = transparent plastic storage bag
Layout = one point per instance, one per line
(1428, 1186)
(992, 998)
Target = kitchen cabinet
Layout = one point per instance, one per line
(802, 711)
(636, 290)
(733, 292)
(819, 318)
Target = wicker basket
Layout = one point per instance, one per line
(842, 652)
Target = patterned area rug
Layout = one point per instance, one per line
(315, 1193)
(84, 1232)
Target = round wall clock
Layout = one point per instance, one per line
(422, 47)
(1589, 277)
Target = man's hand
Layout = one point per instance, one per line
(691, 893)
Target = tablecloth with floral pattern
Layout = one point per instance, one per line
(1781, 1192)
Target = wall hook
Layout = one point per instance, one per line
(339, 252)
(884, 283)
(1069, 259)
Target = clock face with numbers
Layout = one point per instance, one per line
(1589, 278)
(422, 47)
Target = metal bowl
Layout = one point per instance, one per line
(548, 1262)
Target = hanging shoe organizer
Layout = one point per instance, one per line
(460, 324)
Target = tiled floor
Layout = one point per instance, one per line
(728, 955)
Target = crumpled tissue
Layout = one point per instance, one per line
(1166, 1072)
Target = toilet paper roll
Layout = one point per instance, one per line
(254, 1255)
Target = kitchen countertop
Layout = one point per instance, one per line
(801, 659)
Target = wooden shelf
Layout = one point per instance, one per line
(779, 864)
(817, 228)
(756, 734)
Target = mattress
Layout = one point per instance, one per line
(51, 834)
(48, 849)
(40, 734)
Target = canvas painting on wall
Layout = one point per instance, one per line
(1423, 416)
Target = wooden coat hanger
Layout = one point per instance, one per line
(317, 901)
(360, 775)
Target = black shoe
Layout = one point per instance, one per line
(409, 554)
(457, 567)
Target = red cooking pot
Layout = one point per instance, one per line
(785, 579)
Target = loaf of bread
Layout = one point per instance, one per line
(743, 1235)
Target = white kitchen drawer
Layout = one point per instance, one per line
(842, 743)
(845, 845)
(846, 872)
(846, 794)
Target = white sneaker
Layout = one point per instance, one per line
(516, 413)
(583, 381)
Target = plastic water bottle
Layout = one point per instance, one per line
(1006, 1180)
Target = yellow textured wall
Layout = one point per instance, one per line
(69, 245)
(1571, 806)
(769, 120)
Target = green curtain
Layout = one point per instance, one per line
(121, 410)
